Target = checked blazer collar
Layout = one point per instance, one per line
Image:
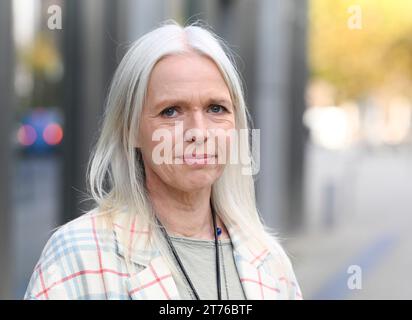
(155, 282)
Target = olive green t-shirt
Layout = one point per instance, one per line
(199, 260)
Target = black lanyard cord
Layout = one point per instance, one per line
(219, 294)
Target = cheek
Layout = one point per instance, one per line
(159, 156)
(144, 135)
(155, 142)
(165, 172)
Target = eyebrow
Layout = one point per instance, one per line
(168, 102)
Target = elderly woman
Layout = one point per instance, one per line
(174, 219)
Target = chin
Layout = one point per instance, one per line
(196, 181)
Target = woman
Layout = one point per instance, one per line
(174, 219)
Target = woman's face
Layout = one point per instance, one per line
(187, 99)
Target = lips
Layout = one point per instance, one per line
(198, 156)
(199, 159)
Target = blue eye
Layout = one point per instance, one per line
(215, 108)
(168, 112)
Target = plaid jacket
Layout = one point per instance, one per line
(84, 261)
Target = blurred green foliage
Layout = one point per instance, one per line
(378, 56)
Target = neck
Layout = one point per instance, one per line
(186, 214)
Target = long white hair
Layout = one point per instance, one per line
(116, 176)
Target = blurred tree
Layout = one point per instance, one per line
(43, 60)
(357, 61)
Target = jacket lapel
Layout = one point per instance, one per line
(154, 281)
(251, 263)
(150, 279)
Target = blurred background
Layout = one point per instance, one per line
(329, 84)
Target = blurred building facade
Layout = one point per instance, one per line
(6, 87)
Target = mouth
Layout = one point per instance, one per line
(199, 159)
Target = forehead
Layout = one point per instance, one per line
(189, 71)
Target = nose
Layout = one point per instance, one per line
(197, 128)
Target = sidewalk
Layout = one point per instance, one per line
(376, 236)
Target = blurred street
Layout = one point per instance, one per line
(372, 230)
(36, 198)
